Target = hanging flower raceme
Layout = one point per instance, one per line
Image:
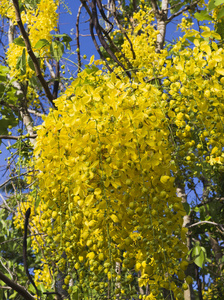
(107, 160)
(106, 186)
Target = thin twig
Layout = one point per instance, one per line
(3, 265)
(101, 38)
(9, 209)
(99, 4)
(207, 222)
(14, 177)
(97, 46)
(123, 31)
(10, 137)
(77, 38)
(181, 11)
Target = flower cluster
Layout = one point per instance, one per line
(108, 158)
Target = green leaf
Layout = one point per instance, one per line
(19, 41)
(34, 82)
(4, 70)
(196, 209)
(31, 4)
(202, 213)
(30, 63)
(211, 5)
(37, 202)
(13, 296)
(42, 288)
(192, 38)
(21, 63)
(41, 43)
(219, 2)
(66, 39)
(57, 50)
(199, 255)
(3, 223)
(220, 28)
(187, 208)
(203, 16)
(2, 89)
(221, 13)
(214, 211)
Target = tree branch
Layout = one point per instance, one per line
(181, 11)
(207, 222)
(14, 177)
(27, 215)
(97, 46)
(94, 22)
(11, 137)
(6, 205)
(114, 13)
(6, 268)
(101, 38)
(34, 112)
(31, 53)
(77, 38)
(16, 287)
(57, 77)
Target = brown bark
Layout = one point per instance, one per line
(16, 287)
(217, 252)
(189, 293)
(161, 17)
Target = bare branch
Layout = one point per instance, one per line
(11, 137)
(182, 10)
(77, 38)
(161, 16)
(101, 38)
(27, 215)
(207, 222)
(94, 22)
(16, 287)
(99, 4)
(97, 46)
(51, 70)
(3, 265)
(57, 78)
(14, 177)
(5, 203)
(36, 113)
